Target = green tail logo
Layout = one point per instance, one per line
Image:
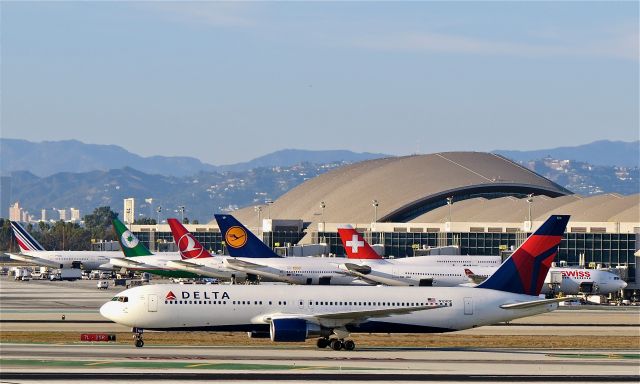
(129, 243)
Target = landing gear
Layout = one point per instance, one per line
(323, 342)
(349, 345)
(337, 344)
(137, 336)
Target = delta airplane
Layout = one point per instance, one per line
(32, 251)
(296, 313)
(420, 271)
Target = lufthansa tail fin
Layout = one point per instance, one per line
(189, 246)
(26, 242)
(131, 246)
(525, 270)
(355, 245)
(240, 241)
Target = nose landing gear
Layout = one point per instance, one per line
(137, 337)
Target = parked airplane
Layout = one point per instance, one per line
(426, 271)
(32, 251)
(249, 255)
(296, 313)
(139, 258)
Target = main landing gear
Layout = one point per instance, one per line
(336, 344)
(137, 337)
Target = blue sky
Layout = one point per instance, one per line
(227, 82)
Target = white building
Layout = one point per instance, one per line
(129, 210)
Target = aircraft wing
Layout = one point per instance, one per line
(366, 273)
(125, 262)
(341, 318)
(534, 303)
(273, 273)
(198, 269)
(33, 260)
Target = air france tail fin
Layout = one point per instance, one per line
(355, 245)
(240, 241)
(189, 246)
(131, 246)
(26, 242)
(525, 270)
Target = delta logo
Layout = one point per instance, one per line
(170, 296)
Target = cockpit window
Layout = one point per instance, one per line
(122, 299)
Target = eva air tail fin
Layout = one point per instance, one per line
(131, 246)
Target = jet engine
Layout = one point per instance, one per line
(293, 330)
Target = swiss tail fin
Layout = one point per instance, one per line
(240, 241)
(525, 270)
(26, 242)
(355, 245)
(189, 246)
(131, 246)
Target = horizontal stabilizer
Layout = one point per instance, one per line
(198, 269)
(130, 264)
(535, 303)
(33, 260)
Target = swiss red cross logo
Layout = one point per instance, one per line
(171, 296)
(188, 247)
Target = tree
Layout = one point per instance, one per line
(99, 223)
(145, 221)
(6, 236)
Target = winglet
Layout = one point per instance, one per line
(525, 270)
(26, 242)
(240, 241)
(189, 246)
(131, 246)
(355, 245)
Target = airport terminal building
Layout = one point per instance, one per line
(481, 203)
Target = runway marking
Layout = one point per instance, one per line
(632, 356)
(100, 362)
(198, 365)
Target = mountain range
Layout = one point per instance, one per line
(602, 152)
(50, 157)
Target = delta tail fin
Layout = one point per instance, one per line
(240, 241)
(26, 242)
(188, 245)
(131, 246)
(525, 270)
(355, 245)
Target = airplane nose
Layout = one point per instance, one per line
(107, 310)
(624, 284)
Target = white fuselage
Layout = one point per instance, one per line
(580, 280)
(68, 259)
(250, 308)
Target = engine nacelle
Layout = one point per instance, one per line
(293, 330)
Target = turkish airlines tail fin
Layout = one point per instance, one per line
(525, 270)
(355, 245)
(26, 242)
(189, 246)
(240, 241)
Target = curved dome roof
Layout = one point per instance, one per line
(405, 188)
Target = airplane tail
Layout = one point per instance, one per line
(189, 246)
(525, 270)
(131, 246)
(240, 241)
(26, 242)
(355, 245)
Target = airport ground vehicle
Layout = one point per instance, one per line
(70, 274)
(102, 284)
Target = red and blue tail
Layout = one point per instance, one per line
(525, 270)
(240, 241)
(24, 238)
(188, 245)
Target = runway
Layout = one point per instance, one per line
(43, 303)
